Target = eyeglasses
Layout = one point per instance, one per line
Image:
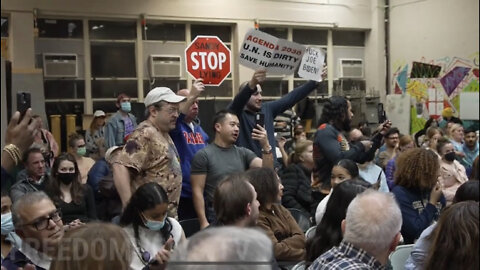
(172, 110)
(42, 223)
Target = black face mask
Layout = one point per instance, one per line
(450, 156)
(66, 178)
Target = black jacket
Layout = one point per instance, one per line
(297, 190)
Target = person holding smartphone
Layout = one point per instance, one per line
(152, 233)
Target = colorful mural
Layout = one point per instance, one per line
(445, 77)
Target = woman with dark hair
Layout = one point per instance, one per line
(329, 232)
(417, 191)
(277, 222)
(345, 169)
(75, 200)
(152, 233)
(468, 191)
(455, 240)
(297, 178)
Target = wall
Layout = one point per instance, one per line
(442, 33)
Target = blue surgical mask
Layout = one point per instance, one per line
(126, 106)
(7, 223)
(154, 225)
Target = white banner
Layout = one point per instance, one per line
(263, 51)
(312, 64)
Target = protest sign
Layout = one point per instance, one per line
(263, 51)
(312, 64)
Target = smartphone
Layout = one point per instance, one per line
(382, 116)
(24, 100)
(260, 119)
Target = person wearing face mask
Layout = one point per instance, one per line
(121, 124)
(74, 199)
(152, 233)
(79, 150)
(452, 173)
(9, 238)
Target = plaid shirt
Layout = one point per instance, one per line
(345, 256)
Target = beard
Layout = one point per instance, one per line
(346, 124)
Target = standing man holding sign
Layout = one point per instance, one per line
(248, 102)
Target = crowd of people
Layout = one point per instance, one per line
(124, 190)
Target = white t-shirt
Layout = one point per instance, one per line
(151, 241)
(322, 206)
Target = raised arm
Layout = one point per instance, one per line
(197, 89)
(243, 96)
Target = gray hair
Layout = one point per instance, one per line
(225, 247)
(372, 221)
(26, 201)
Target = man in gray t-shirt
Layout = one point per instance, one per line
(214, 162)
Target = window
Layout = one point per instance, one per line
(348, 38)
(274, 87)
(4, 26)
(52, 28)
(164, 31)
(64, 89)
(174, 84)
(278, 32)
(112, 88)
(223, 32)
(112, 30)
(310, 36)
(113, 59)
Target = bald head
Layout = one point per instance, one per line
(355, 135)
(193, 110)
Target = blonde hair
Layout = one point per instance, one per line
(300, 147)
(102, 246)
(452, 128)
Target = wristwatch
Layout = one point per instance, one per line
(267, 151)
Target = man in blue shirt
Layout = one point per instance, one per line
(188, 137)
(121, 124)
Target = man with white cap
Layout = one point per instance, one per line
(149, 155)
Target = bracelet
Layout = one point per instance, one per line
(13, 152)
(267, 151)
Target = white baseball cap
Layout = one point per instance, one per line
(98, 113)
(162, 94)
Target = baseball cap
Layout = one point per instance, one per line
(162, 94)
(98, 113)
(447, 112)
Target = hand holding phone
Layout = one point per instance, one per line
(382, 116)
(23, 103)
(259, 119)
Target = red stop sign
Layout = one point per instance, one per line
(208, 58)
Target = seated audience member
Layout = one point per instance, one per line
(225, 247)
(468, 191)
(456, 136)
(420, 136)
(152, 234)
(433, 134)
(417, 190)
(235, 202)
(45, 138)
(79, 150)
(470, 149)
(279, 225)
(370, 233)
(345, 169)
(39, 225)
(75, 200)
(406, 142)
(297, 179)
(390, 149)
(374, 175)
(9, 238)
(220, 158)
(33, 178)
(455, 240)
(95, 136)
(94, 246)
(452, 173)
(18, 138)
(329, 232)
(298, 135)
